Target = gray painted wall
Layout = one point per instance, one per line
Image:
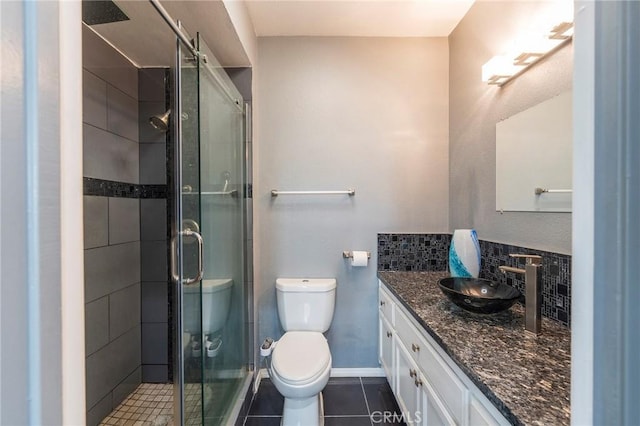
(337, 113)
(476, 107)
(111, 229)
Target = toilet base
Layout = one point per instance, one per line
(303, 412)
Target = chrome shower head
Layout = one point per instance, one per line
(161, 122)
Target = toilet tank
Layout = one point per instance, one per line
(306, 304)
(209, 303)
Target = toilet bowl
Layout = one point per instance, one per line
(300, 369)
(301, 360)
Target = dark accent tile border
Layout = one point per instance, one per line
(430, 252)
(413, 252)
(109, 188)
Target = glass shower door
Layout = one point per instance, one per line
(210, 240)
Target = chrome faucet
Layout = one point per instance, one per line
(533, 289)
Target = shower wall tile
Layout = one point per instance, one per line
(96, 221)
(125, 387)
(111, 268)
(154, 343)
(109, 156)
(124, 220)
(153, 160)
(147, 133)
(153, 220)
(154, 302)
(124, 310)
(99, 376)
(96, 320)
(106, 368)
(151, 84)
(122, 113)
(108, 64)
(112, 224)
(155, 286)
(94, 100)
(152, 373)
(99, 411)
(154, 260)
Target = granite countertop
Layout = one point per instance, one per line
(527, 377)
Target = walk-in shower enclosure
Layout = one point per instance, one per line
(167, 293)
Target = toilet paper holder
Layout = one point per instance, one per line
(349, 254)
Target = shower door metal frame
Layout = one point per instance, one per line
(178, 376)
(187, 45)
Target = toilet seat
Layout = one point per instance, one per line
(300, 357)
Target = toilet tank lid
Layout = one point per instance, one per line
(305, 284)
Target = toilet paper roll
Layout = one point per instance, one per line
(360, 258)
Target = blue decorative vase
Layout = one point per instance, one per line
(464, 254)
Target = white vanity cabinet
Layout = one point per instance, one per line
(429, 387)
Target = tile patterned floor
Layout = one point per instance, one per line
(351, 401)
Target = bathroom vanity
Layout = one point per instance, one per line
(448, 366)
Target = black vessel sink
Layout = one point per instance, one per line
(478, 295)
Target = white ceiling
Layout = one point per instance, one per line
(147, 40)
(365, 18)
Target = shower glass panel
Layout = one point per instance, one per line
(214, 309)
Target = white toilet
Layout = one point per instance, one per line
(216, 300)
(301, 360)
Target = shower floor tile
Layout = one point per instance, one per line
(151, 404)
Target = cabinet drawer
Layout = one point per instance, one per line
(386, 306)
(439, 375)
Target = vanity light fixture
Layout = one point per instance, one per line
(527, 51)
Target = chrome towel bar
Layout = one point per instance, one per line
(233, 193)
(539, 191)
(349, 192)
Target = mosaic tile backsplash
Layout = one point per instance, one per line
(413, 252)
(430, 252)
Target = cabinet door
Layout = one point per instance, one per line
(386, 351)
(479, 415)
(408, 394)
(442, 379)
(434, 412)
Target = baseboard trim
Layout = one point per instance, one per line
(263, 373)
(357, 372)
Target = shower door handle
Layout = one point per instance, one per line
(174, 267)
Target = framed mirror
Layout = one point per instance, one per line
(534, 158)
